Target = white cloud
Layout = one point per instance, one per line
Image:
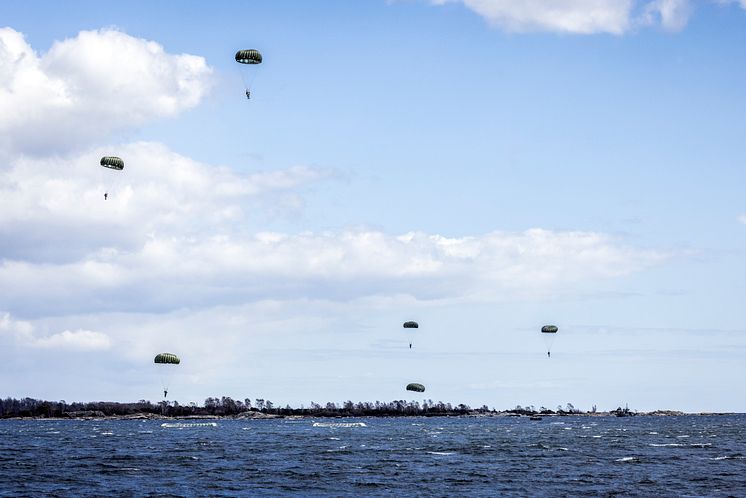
(577, 16)
(742, 219)
(79, 340)
(86, 87)
(673, 15)
(173, 271)
(53, 209)
(23, 333)
(742, 3)
(16, 330)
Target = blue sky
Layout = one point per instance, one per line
(483, 167)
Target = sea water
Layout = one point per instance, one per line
(490, 456)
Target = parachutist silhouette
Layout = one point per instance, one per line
(248, 94)
(165, 393)
(106, 194)
(549, 355)
(410, 345)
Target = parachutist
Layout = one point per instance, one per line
(549, 355)
(165, 393)
(248, 94)
(410, 345)
(106, 194)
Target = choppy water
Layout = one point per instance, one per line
(568, 456)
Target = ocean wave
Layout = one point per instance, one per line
(339, 424)
(179, 425)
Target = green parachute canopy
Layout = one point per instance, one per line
(167, 359)
(112, 163)
(249, 56)
(411, 325)
(416, 387)
(549, 329)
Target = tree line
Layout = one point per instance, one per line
(226, 406)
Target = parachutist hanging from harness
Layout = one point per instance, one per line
(410, 326)
(248, 57)
(549, 354)
(113, 163)
(167, 360)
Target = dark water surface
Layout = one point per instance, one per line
(557, 456)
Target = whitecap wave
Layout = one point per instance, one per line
(729, 457)
(179, 425)
(339, 424)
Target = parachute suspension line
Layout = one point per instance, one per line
(249, 58)
(111, 165)
(164, 363)
(548, 333)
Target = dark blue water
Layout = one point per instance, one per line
(568, 456)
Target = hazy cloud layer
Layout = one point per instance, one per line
(579, 16)
(742, 3)
(672, 15)
(174, 232)
(86, 87)
(171, 271)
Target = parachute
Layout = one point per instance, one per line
(250, 58)
(167, 359)
(164, 362)
(416, 387)
(112, 162)
(548, 333)
(411, 325)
